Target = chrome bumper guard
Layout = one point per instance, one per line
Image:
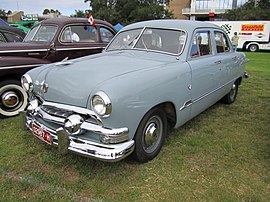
(76, 144)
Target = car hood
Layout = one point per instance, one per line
(22, 46)
(72, 82)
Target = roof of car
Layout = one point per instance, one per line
(172, 24)
(70, 20)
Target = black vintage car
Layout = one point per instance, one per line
(48, 41)
(11, 34)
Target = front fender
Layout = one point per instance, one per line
(133, 95)
(19, 65)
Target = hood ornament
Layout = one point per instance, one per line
(44, 87)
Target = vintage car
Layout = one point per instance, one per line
(48, 41)
(11, 34)
(153, 75)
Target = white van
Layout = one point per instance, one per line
(253, 35)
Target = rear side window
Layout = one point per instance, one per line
(79, 34)
(222, 42)
(201, 44)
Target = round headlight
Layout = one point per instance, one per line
(101, 104)
(27, 83)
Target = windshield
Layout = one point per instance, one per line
(150, 39)
(43, 33)
(125, 40)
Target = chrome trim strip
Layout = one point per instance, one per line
(186, 104)
(85, 48)
(104, 131)
(16, 51)
(190, 102)
(211, 92)
(20, 66)
(46, 50)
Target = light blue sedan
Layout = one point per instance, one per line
(153, 75)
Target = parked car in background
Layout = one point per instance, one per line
(153, 75)
(48, 41)
(25, 29)
(11, 34)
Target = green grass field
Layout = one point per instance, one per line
(221, 155)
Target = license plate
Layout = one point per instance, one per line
(42, 134)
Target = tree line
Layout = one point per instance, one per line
(129, 11)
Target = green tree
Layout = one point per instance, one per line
(47, 11)
(3, 12)
(128, 11)
(250, 11)
(81, 13)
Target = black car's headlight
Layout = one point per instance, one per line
(101, 104)
(27, 83)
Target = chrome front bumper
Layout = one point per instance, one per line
(76, 144)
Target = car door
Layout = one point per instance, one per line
(205, 69)
(81, 40)
(226, 59)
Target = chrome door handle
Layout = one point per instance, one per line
(218, 62)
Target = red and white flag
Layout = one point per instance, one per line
(91, 20)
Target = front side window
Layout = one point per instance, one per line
(79, 34)
(150, 39)
(201, 44)
(222, 43)
(43, 33)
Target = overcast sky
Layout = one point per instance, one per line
(66, 7)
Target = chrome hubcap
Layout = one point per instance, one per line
(233, 90)
(10, 99)
(152, 134)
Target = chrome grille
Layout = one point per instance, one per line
(53, 111)
(61, 114)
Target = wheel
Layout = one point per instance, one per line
(231, 96)
(253, 48)
(150, 135)
(12, 98)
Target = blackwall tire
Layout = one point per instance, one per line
(12, 98)
(230, 97)
(150, 135)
